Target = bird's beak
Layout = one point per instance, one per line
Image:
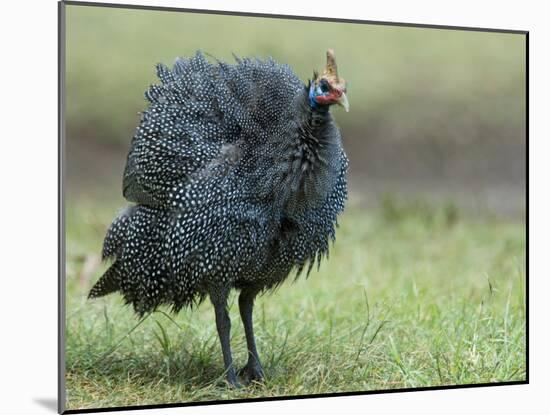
(343, 101)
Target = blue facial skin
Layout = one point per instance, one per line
(315, 91)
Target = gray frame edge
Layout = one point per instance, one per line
(61, 313)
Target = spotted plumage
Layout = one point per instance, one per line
(237, 175)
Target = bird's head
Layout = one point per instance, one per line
(328, 88)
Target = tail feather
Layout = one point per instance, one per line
(107, 284)
(114, 238)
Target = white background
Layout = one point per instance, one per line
(28, 189)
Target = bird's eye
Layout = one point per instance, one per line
(324, 86)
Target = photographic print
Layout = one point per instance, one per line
(268, 207)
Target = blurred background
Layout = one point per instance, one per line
(436, 115)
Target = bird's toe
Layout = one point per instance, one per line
(234, 383)
(251, 373)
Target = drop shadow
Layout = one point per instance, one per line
(48, 403)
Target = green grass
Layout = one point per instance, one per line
(412, 295)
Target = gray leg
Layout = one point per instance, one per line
(223, 324)
(253, 369)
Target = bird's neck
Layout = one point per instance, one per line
(314, 156)
(299, 167)
(312, 123)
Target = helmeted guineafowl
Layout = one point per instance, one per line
(237, 175)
